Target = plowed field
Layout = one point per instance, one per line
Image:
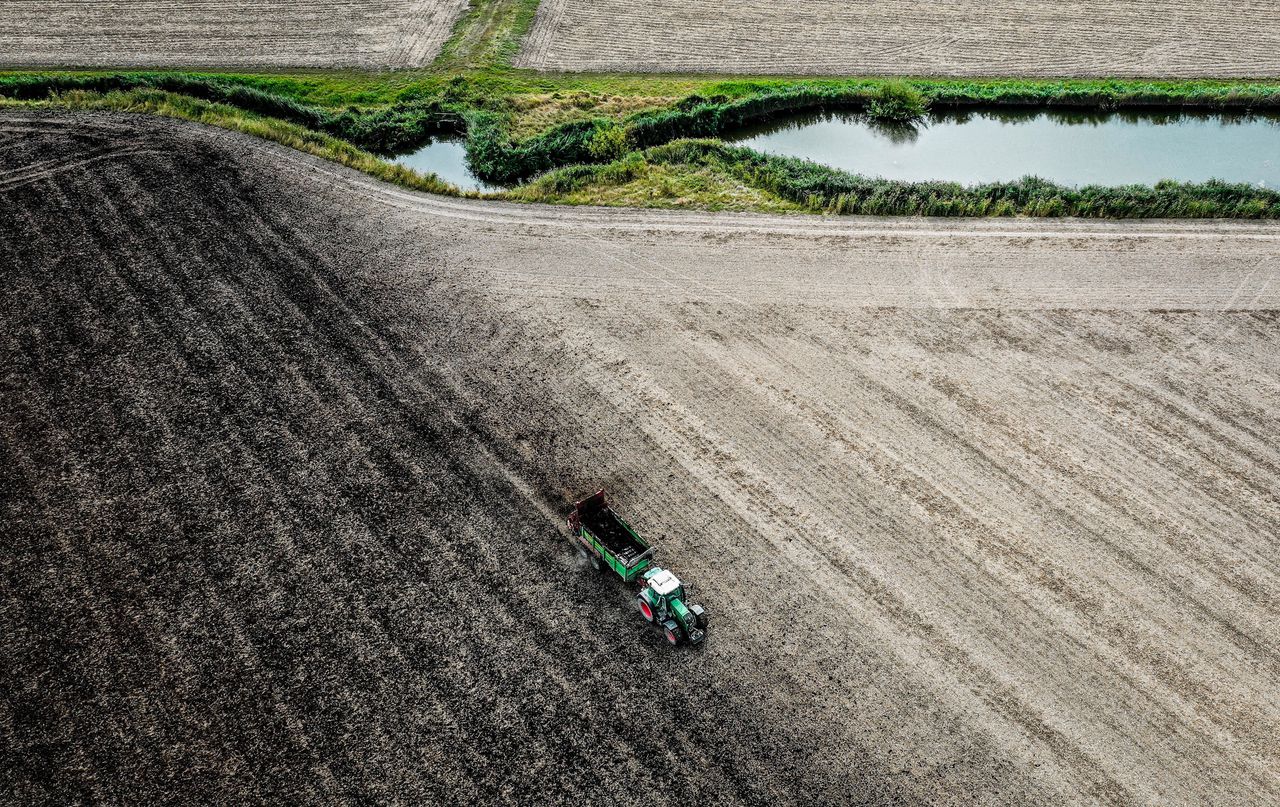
(211, 33)
(1147, 38)
(984, 511)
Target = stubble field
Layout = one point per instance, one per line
(983, 511)
(151, 33)
(1076, 38)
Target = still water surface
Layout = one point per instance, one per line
(447, 159)
(1070, 148)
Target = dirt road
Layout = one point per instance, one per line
(984, 511)
(1147, 38)
(213, 33)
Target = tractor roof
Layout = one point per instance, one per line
(664, 582)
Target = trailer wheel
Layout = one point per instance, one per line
(595, 562)
(645, 608)
(673, 638)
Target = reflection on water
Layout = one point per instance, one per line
(1069, 147)
(446, 157)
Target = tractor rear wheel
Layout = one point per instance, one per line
(645, 608)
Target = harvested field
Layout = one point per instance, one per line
(215, 33)
(984, 511)
(1074, 38)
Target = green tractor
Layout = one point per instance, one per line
(663, 602)
(609, 542)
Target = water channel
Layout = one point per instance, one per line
(1071, 148)
(988, 145)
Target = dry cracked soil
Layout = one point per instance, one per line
(984, 511)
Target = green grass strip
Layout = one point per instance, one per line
(819, 188)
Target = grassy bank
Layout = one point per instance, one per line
(520, 124)
(788, 183)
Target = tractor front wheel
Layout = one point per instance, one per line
(645, 608)
(673, 636)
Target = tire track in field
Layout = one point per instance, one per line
(30, 174)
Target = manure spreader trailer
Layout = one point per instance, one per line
(607, 541)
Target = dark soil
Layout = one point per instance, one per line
(258, 546)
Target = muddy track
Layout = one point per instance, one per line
(1144, 38)
(366, 34)
(983, 510)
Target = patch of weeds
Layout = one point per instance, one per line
(609, 142)
(635, 182)
(896, 102)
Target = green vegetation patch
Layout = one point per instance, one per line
(818, 188)
(488, 36)
(635, 181)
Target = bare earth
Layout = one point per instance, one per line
(984, 511)
(216, 33)
(1147, 38)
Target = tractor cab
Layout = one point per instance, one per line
(662, 602)
(664, 585)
